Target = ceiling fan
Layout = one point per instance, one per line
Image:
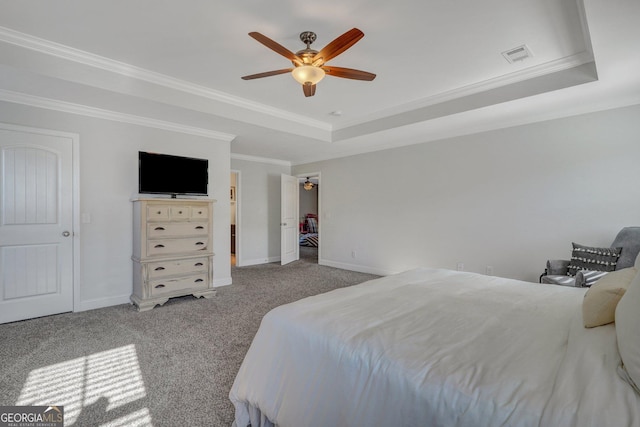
(309, 65)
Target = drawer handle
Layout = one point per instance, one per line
(198, 281)
(159, 268)
(199, 212)
(199, 227)
(180, 212)
(159, 286)
(159, 246)
(159, 212)
(199, 243)
(159, 228)
(198, 264)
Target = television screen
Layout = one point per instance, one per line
(167, 174)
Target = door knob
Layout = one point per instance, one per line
(66, 234)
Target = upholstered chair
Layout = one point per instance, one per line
(556, 272)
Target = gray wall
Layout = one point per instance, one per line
(509, 199)
(308, 201)
(109, 179)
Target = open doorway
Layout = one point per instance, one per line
(309, 217)
(234, 216)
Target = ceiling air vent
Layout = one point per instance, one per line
(519, 53)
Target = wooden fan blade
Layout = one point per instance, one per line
(276, 47)
(309, 89)
(339, 45)
(267, 74)
(349, 73)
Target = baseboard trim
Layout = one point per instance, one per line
(124, 299)
(258, 261)
(103, 302)
(355, 267)
(225, 281)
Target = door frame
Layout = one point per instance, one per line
(75, 195)
(238, 216)
(319, 177)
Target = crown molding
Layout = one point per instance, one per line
(248, 158)
(51, 48)
(584, 25)
(48, 47)
(425, 136)
(561, 64)
(83, 110)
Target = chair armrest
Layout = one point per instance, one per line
(586, 278)
(557, 267)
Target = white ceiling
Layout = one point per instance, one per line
(439, 65)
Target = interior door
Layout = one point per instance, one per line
(289, 201)
(36, 219)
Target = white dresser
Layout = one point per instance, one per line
(172, 250)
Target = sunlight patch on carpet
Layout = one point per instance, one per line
(113, 376)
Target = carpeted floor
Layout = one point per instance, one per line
(171, 366)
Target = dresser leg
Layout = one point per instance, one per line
(209, 293)
(146, 305)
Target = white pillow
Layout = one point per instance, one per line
(600, 301)
(628, 333)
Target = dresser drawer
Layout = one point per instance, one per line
(159, 287)
(177, 267)
(175, 213)
(199, 212)
(157, 213)
(177, 246)
(175, 229)
(180, 212)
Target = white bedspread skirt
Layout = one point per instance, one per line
(255, 418)
(434, 348)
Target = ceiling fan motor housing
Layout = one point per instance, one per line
(307, 54)
(308, 37)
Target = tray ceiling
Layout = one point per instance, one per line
(439, 64)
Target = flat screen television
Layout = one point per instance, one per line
(172, 175)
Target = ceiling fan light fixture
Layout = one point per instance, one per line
(308, 185)
(308, 73)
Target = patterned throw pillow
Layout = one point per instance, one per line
(594, 259)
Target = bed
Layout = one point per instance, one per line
(309, 239)
(432, 347)
(309, 231)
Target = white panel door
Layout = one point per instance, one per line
(36, 219)
(289, 200)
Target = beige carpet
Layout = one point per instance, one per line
(171, 366)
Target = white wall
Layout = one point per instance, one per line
(259, 211)
(509, 198)
(109, 179)
(308, 200)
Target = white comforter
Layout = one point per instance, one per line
(434, 348)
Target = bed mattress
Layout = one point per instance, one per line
(433, 347)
